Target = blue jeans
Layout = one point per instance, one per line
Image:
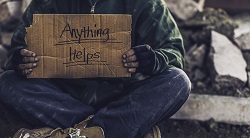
(147, 102)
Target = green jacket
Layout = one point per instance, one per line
(152, 24)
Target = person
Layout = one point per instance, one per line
(121, 107)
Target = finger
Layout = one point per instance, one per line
(132, 65)
(132, 70)
(130, 59)
(141, 48)
(27, 66)
(27, 71)
(30, 59)
(27, 53)
(129, 53)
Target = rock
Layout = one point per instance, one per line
(25, 4)
(6, 38)
(210, 19)
(248, 75)
(201, 84)
(226, 62)
(196, 56)
(201, 5)
(4, 12)
(246, 55)
(225, 109)
(15, 8)
(198, 75)
(183, 9)
(9, 16)
(243, 41)
(3, 1)
(195, 59)
(10, 24)
(243, 21)
(212, 124)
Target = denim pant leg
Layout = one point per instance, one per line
(133, 115)
(41, 102)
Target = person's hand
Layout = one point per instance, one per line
(140, 59)
(26, 61)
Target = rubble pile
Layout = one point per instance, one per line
(10, 14)
(226, 62)
(217, 52)
(217, 61)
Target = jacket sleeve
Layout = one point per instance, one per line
(156, 27)
(18, 38)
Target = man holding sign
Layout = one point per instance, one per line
(121, 107)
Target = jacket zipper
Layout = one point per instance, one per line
(93, 6)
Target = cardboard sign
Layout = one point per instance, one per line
(80, 45)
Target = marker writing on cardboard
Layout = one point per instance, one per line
(82, 55)
(86, 33)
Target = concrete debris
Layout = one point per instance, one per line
(201, 84)
(244, 41)
(3, 2)
(198, 75)
(6, 38)
(248, 75)
(221, 108)
(210, 19)
(183, 9)
(195, 59)
(201, 5)
(246, 54)
(4, 12)
(25, 4)
(226, 61)
(196, 56)
(15, 8)
(243, 21)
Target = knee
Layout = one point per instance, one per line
(178, 81)
(180, 78)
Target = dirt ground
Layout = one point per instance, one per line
(196, 129)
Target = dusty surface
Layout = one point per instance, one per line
(196, 129)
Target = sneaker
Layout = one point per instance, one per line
(79, 131)
(153, 133)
